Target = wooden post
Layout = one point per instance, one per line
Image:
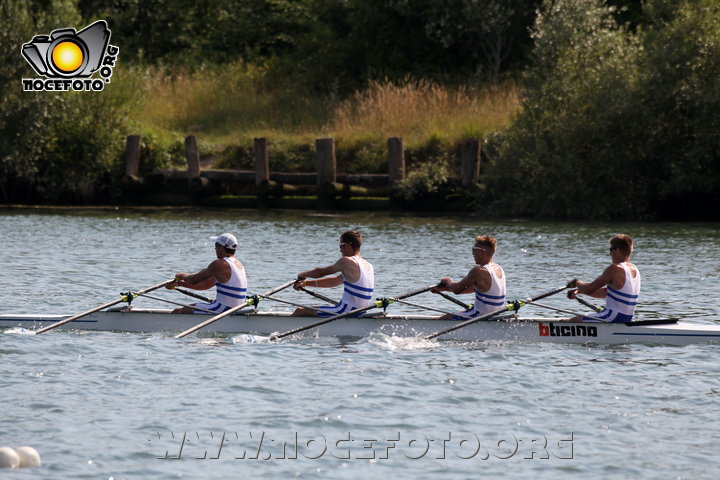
(326, 165)
(193, 157)
(132, 155)
(396, 160)
(262, 161)
(470, 162)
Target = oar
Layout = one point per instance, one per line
(568, 311)
(294, 304)
(194, 295)
(425, 307)
(510, 306)
(248, 303)
(160, 299)
(101, 307)
(589, 305)
(377, 304)
(317, 295)
(454, 300)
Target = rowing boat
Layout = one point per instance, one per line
(505, 328)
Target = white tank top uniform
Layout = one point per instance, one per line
(355, 295)
(486, 302)
(620, 304)
(229, 294)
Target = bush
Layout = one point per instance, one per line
(614, 123)
(54, 146)
(428, 180)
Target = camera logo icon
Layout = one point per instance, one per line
(66, 54)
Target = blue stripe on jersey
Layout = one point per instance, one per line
(357, 287)
(610, 289)
(359, 295)
(228, 294)
(620, 300)
(237, 289)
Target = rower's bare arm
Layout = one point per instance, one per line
(325, 282)
(597, 288)
(207, 277)
(321, 272)
(472, 279)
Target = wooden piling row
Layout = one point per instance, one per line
(326, 176)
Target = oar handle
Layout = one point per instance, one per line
(97, 309)
(589, 305)
(454, 300)
(547, 294)
(413, 293)
(249, 302)
(194, 295)
(318, 295)
(562, 310)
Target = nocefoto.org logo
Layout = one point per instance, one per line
(67, 59)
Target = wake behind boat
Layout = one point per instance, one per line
(509, 327)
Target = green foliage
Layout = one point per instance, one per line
(363, 157)
(346, 44)
(293, 157)
(54, 146)
(160, 151)
(331, 46)
(184, 32)
(428, 180)
(620, 97)
(615, 124)
(681, 89)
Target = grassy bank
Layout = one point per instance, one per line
(226, 106)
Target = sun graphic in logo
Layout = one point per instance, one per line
(67, 56)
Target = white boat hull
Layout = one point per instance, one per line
(508, 329)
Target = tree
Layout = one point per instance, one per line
(616, 123)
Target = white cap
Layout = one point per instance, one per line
(227, 240)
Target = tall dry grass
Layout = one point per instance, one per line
(418, 110)
(231, 103)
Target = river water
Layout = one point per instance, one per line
(101, 405)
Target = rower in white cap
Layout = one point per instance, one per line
(226, 273)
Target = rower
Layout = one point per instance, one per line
(486, 279)
(226, 274)
(619, 284)
(356, 274)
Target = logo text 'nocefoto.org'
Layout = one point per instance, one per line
(67, 59)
